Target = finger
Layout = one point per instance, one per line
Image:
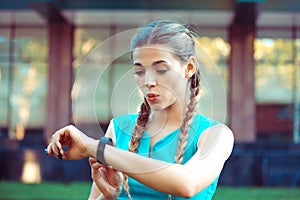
(112, 169)
(97, 165)
(57, 142)
(60, 156)
(53, 148)
(114, 177)
(104, 185)
(92, 160)
(49, 151)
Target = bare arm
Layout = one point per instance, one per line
(180, 180)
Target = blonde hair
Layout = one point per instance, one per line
(179, 38)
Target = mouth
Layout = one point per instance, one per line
(152, 97)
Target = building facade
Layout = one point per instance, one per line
(65, 62)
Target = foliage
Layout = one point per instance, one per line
(274, 70)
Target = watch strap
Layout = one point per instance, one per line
(101, 147)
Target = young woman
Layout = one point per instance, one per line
(167, 150)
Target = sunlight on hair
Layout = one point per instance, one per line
(31, 170)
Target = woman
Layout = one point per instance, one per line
(167, 150)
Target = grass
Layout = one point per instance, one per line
(257, 193)
(44, 191)
(73, 191)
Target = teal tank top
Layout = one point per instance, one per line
(163, 150)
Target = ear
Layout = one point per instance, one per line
(190, 67)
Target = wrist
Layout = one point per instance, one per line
(92, 147)
(103, 142)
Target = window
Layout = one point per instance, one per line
(276, 83)
(24, 77)
(88, 66)
(4, 75)
(4, 71)
(274, 70)
(213, 66)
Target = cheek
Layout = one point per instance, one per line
(180, 87)
(175, 84)
(140, 83)
(139, 80)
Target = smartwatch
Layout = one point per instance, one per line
(101, 147)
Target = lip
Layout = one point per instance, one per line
(152, 97)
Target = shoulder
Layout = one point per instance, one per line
(201, 123)
(222, 131)
(219, 137)
(207, 121)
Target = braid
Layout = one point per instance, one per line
(138, 131)
(191, 110)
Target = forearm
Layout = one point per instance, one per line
(176, 179)
(159, 175)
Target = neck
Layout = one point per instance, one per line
(171, 116)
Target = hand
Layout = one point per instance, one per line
(78, 144)
(108, 180)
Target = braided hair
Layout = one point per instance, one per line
(180, 39)
(138, 131)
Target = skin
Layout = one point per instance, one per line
(106, 178)
(157, 70)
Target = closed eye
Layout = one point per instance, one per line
(139, 72)
(138, 69)
(161, 71)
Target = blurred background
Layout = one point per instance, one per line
(44, 44)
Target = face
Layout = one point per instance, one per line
(160, 75)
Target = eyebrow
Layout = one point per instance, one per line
(153, 64)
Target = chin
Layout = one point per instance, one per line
(159, 106)
(156, 107)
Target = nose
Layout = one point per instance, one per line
(150, 80)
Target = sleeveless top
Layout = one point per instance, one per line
(164, 150)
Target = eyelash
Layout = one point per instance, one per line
(139, 72)
(161, 71)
